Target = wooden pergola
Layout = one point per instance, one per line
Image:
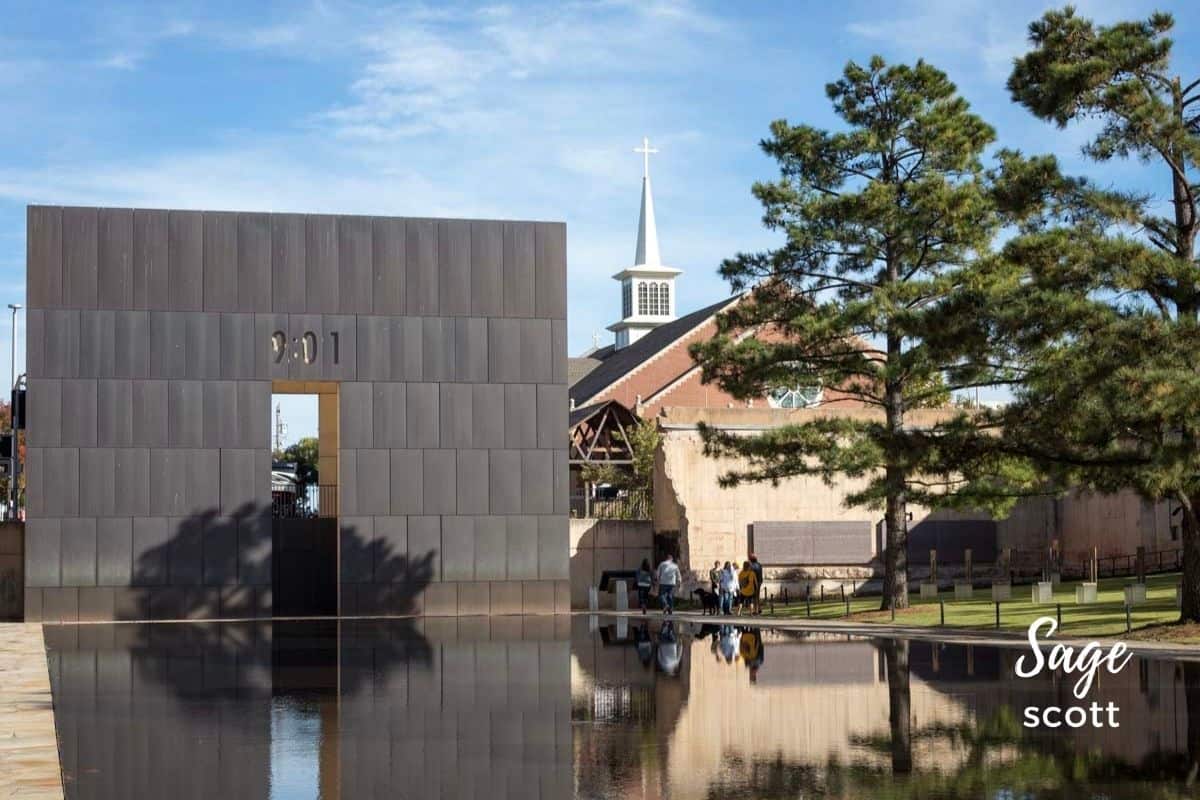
(599, 434)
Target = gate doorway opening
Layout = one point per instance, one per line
(304, 498)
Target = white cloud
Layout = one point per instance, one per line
(973, 30)
(249, 178)
(460, 71)
(136, 39)
(979, 33)
(488, 112)
(126, 61)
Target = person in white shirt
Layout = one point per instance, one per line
(729, 588)
(668, 579)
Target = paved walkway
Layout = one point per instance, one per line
(922, 632)
(29, 767)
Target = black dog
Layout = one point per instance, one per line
(708, 600)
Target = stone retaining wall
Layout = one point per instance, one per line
(600, 544)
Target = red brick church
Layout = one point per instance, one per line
(648, 366)
(647, 373)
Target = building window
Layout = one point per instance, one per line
(664, 299)
(654, 298)
(795, 397)
(626, 299)
(643, 302)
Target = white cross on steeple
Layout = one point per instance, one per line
(645, 150)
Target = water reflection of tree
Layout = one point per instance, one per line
(992, 753)
(1045, 768)
(895, 653)
(1031, 767)
(1191, 687)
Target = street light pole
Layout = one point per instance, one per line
(13, 365)
(12, 417)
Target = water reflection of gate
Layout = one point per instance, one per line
(619, 704)
(396, 708)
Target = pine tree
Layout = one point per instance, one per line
(883, 222)
(1106, 322)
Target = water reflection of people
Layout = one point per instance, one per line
(644, 644)
(729, 642)
(751, 649)
(668, 649)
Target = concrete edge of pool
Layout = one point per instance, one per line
(887, 630)
(29, 757)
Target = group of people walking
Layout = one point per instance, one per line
(737, 588)
(733, 588)
(668, 578)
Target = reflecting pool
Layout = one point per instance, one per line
(550, 707)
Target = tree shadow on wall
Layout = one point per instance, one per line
(250, 565)
(234, 567)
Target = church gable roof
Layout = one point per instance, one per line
(617, 363)
(577, 368)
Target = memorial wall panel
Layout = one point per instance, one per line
(153, 340)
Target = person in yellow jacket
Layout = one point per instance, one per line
(747, 587)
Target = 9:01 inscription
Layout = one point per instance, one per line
(303, 348)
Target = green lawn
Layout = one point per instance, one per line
(1105, 618)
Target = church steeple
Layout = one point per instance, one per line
(648, 287)
(647, 239)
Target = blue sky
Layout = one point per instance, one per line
(510, 111)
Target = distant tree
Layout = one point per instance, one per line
(883, 223)
(304, 453)
(1102, 308)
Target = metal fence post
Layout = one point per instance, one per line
(942, 608)
(997, 615)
